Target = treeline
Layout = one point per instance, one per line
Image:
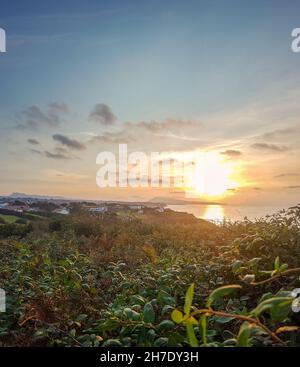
(15, 229)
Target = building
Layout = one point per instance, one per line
(63, 211)
(98, 209)
(135, 207)
(17, 208)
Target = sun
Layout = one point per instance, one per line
(212, 177)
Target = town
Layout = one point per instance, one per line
(15, 207)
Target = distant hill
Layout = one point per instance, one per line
(21, 195)
(156, 200)
(170, 201)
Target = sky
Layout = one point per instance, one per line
(216, 77)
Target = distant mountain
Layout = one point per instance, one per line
(21, 195)
(155, 200)
(170, 201)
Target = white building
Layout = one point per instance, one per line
(99, 209)
(135, 207)
(63, 211)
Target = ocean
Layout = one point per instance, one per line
(219, 213)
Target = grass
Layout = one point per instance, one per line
(9, 218)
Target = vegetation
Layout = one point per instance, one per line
(163, 279)
(8, 218)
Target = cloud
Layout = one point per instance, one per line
(291, 174)
(55, 155)
(58, 153)
(232, 153)
(119, 137)
(293, 187)
(36, 151)
(279, 133)
(269, 147)
(32, 117)
(169, 125)
(165, 132)
(71, 143)
(53, 174)
(103, 114)
(58, 107)
(33, 141)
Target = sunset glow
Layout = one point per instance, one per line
(213, 177)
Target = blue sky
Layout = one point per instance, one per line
(211, 61)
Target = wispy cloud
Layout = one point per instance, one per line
(279, 133)
(33, 117)
(290, 174)
(71, 143)
(58, 153)
(55, 155)
(119, 137)
(231, 153)
(33, 141)
(269, 147)
(172, 125)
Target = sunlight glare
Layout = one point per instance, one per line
(212, 177)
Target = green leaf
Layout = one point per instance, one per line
(191, 335)
(166, 325)
(112, 343)
(203, 329)
(223, 320)
(221, 292)
(177, 316)
(276, 263)
(131, 314)
(244, 334)
(137, 299)
(149, 314)
(248, 278)
(191, 320)
(166, 310)
(236, 266)
(161, 342)
(278, 305)
(283, 267)
(189, 299)
(165, 299)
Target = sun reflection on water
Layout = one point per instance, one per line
(213, 212)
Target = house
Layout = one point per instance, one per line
(17, 208)
(34, 209)
(98, 209)
(63, 211)
(135, 207)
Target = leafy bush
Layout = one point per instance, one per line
(150, 281)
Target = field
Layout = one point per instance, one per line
(159, 279)
(8, 218)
